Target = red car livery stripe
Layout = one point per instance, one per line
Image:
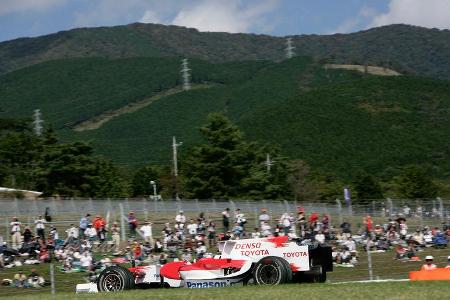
(214, 264)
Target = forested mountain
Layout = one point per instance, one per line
(407, 49)
(338, 121)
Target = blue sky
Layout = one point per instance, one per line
(21, 18)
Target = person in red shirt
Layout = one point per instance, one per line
(369, 223)
(99, 224)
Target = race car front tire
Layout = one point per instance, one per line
(272, 270)
(115, 279)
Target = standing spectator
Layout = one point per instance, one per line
(368, 223)
(84, 221)
(286, 223)
(301, 221)
(264, 216)
(428, 264)
(27, 235)
(132, 223)
(99, 223)
(211, 234)
(192, 228)
(40, 227)
(115, 232)
(226, 219)
(180, 219)
(16, 233)
(146, 230)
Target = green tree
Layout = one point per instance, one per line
(141, 181)
(217, 168)
(414, 182)
(299, 179)
(366, 187)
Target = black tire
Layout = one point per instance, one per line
(320, 276)
(288, 270)
(271, 270)
(115, 279)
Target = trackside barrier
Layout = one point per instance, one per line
(436, 274)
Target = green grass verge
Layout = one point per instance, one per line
(391, 290)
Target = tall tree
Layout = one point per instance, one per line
(366, 187)
(216, 169)
(414, 182)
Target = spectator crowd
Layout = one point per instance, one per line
(93, 244)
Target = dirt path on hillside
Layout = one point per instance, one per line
(370, 69)
(97, 121)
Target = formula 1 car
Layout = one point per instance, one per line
(264, 261)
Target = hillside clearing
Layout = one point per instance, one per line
(97, 121)
(379, 71)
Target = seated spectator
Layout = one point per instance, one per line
(86, 261)
(20, 280)
(90, 233)
(35, 280)
(265, 229)
(428, 266)
(448, 262)
(256, 234)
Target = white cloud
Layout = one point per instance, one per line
(359, 21)
(150, 17)
(15, 6)
(426, 13)
(228, 16)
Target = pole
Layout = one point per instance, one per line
(441, 209)
(52, 279)
(175, 164)
(122, 222)
(369, 259)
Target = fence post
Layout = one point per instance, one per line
(369, 259)
(52, 279)
(144, 206)
(122, 222)
(391, 208)
(441, 209)
(339, 209)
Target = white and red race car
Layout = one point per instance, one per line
(264, 261)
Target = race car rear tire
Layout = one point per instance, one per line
(320, 275)
(272, 270)
(115, 279)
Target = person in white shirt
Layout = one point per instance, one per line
(256, 234)
(16, 233)
(320, 237)
(86, 261)
(266, 229)
(90, 232)
(72, 232)
(40, 227)
(350, 244)
(180, 219)
(146, 230)
(192, 228)
(263, 217)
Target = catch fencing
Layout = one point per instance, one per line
(420, 213)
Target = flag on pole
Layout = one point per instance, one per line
(347, 197)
